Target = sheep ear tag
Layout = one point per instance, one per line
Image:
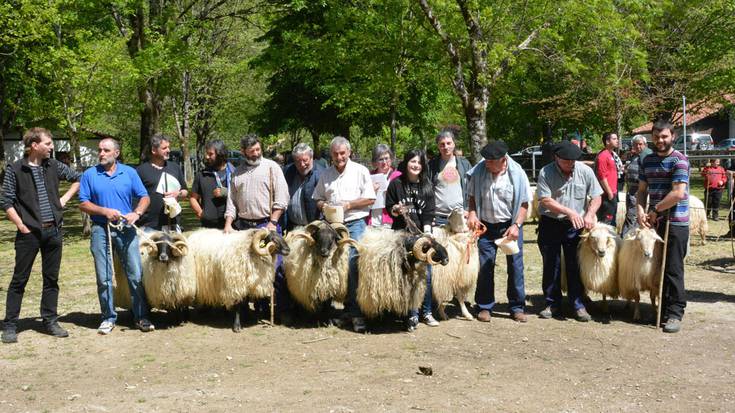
(262, 244)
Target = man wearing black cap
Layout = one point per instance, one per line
(563, 188)
(498, 192)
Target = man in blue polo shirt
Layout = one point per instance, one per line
(106, 194)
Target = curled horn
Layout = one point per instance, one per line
(312, 227)
(180, 247)
(430, 257)
(344, 234)
(418, 248)
(149, 242)
(309, 239)
(258, 237)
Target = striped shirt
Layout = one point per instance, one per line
(660, 173)
(10, 184)
(47, 215)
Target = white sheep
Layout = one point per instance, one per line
(639, 266)
(231, 268)
(316, 269)
(597, 256)
(392, 268)
(167, 273)
(697, 218)
(458, 278)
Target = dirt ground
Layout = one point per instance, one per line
(543, 365)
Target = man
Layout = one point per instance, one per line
(665, 178)
(715, 179)
(448, 175)
(106, 194)
(257, 199)
(302, 176)
(208, 196)
(498, 197)
(607, 168)
(563, 188)
(31, 201)
(348, 184)
(639, 149)
(162, 179)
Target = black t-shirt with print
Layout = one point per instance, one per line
(155, 216)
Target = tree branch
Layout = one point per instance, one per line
(459, 84)
(521, 47)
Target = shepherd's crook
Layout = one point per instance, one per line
(663, 269)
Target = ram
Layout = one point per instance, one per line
(597, 255)
(392, 268)
(231, 268)
(317, 267)
(458, 278)
(639, 266)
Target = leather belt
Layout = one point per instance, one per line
(48, 224)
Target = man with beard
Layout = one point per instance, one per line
(258, 197)
(162, 179)
(664, 177)
(607, 167)
(106, 193)
(348, 184)
(31, 201)
(302, 176)
(208, 196)
(563, 188)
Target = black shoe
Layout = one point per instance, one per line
(56, 330)
(9, 335)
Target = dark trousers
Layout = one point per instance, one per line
(713, 202)
(608, 210)
(553, 236)
(674, 295)
(485, 291)
(631, 214)
(49, 242)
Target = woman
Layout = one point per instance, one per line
(383, 164)
(412, 194)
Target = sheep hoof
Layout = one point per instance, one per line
(467, 317)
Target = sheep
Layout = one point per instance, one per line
(597, 256)
(232, 267)
(533, 210)
(459, 278)
(621, 212)
(392, 268)
(167, 273)
(697, 218)
(639, 266)
(316, 269)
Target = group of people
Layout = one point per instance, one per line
(494, 194)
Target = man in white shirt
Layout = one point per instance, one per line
(348, 184)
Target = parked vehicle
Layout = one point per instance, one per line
(726, 145)
(694, 142)
(531, 150)
(234, 157)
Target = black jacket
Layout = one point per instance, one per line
(19, 190)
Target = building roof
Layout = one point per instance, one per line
(695, 112)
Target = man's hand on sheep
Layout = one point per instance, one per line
(589, 221)
(228, 229)
(577, 221)
(472, 220)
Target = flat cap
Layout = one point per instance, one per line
(494, 150)
(567, 150)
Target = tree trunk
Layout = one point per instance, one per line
(315, 142)
(393, 128)
(476, 127)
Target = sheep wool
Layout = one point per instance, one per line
(599, 273)
(459, 277)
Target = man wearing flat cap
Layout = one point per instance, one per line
(499, 193)
(563, 189)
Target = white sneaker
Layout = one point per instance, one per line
(106, 327)
(430, 321)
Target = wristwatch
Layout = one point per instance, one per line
(274, 222)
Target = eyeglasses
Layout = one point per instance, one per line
(384, 160)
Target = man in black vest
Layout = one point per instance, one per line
(31, 201)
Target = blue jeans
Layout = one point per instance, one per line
(553, 236)
(485, 292)
(356, 229)
(426, 304)
(125, 244)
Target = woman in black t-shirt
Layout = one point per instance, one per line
(413, 194)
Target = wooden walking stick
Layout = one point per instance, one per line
(273, 287)
(663, 269)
